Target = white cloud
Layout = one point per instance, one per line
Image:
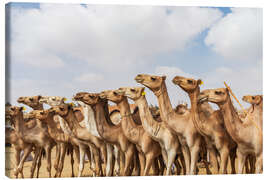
(171, 72)
(102, 35)
(238, 36)
(89, 78)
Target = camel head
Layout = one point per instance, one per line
(133, 93)
(31, 101)
(218, 96)
(254, 100)
(42, 114)
(187, 84)
(62, 110)
(181, 108)
(52, 100)
(14, 111)
(115, 96)
(152, 82)
(88, 98)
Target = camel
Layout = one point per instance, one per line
(90, 123)
(210, 126)
(110, 133)
(247, 136)
(37, 135)
(96, 145)
(256, 110)
(149, 150)
(181, 108)
(157, 130)
(181, 125)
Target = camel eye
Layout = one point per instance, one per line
(62, 109)
(153, 79)
(31, 99)
(218, 92)
(253, 97)
(91, 96)
(189, 81)
(132, 90)
(12, 109)
(114, 93)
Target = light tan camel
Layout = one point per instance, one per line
(62, 140)
(210, 126)
(109, 132)
(19, 145)
(247, 136)
(181, 108)
(256, 110)
(182, 125)
(157, 130)
(82, 134)
(33, 102)
(37, 135)
(149, 150)
(79, 146)
(90, 123)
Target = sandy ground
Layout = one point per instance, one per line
(10, 164)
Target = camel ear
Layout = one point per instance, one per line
(199, 82)
(39, 97)
(163, 78)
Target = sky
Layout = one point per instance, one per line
(62, 49)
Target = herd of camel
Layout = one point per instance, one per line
(165, 140)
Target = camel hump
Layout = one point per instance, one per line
(115, 116)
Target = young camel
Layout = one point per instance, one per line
(211, 127)
(247, 136)
(96, 145)
(109, 132)
(37, 135)
(149, 150)
(182, 125)
(90, 123)
(19, 145)
(157, 130)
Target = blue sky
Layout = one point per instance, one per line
(58, 49)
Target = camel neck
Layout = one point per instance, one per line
(106, 131)
(129, 127)
(231, 120)
(19, 124)
(71, 120)
(149, 124)
(164, 102)
(193, 96)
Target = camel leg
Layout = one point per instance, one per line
(72, 161)
(117, 160)
(182, 160)
(142, 162)
(171, 157)
(34, 161)
(161, 165)
(39, 160)
(149, 161)
(56, 161)
(155, 167)
(122, 162)
(241, 162)
(81, 166)
(213, 160)
(26, 152)
(91, 160)
(98, 169)
(17, 161)
(128, 157)
(63, 149)
(186, 154)
(194, 154)
(178, 166)
(252, 164)
(48, 150)
(109, 171)
(259, 164)
(136, 163)
(224, 155)
(232, 160)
